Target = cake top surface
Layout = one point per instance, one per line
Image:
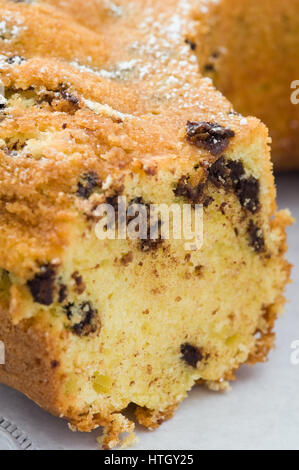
(98, 88)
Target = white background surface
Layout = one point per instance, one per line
(261, 411)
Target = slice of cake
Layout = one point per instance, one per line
(249, 48)
(93, 324)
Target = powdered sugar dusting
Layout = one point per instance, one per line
(113, 8)
(158, 57)
(121, 71)
(206, 4)
(10, 27)
(105, 110)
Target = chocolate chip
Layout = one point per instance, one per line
(15, 60)
(148, 244)
(209, 68)
(113, 201)
(68, 309)
(42, 285)
(58, 97)
(55, 364)
(236, 170)
(89, 324)
(219, 173)
(194, 194)
(186, 190)
(79, 284)
(222, 208)
(215, 54)
(199, 270)
(248, 193)
(247, 188)
(231, 174)
(62, 294)
(70, 98)
(191, 354)
(151, 244)
(192, 44)
(139, 200)
(256, 237)
(88, 183)
(127, 259)
(210, 136)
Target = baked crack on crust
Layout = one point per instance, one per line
(106, 100)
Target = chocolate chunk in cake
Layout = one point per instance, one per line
(88, 183)
(256, 236)
(89, 324)
(15, 60)
(62, 293)
(210, 136)
(192, 44)
(191, 354)
(79, 284)
(42, 285)
(191, 193)
(231, 175)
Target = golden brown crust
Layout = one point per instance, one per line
(45, 31)
(153, 419)
(31, 361)
(133, 125)
(265, 335)
(32, 366)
